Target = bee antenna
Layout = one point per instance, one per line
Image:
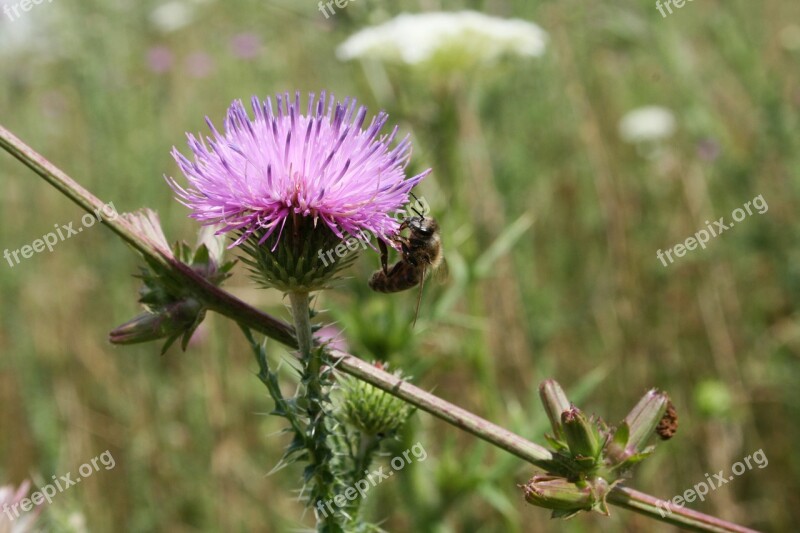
(422, 216)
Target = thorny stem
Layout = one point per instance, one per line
(233, 308)
(317, 435)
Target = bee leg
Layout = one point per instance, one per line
(407, 255)
(384, 256)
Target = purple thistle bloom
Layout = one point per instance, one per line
(322, 165)
(200, 65)
(245, 45)
(160, 59)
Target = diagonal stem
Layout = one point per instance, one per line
(233, 308)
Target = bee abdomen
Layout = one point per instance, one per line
(402, 276)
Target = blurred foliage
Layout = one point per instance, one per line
(551, 225)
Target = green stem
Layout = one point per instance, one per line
(299, 302)
(233, 308)
(653, 507)
(317, 434)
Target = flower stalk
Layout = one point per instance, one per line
(319, 472)
(222, 302)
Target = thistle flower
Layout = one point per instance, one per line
(292, 184)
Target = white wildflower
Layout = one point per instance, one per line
(464, 35)
(172, 16)
(651, 123)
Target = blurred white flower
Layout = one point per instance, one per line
(26, 34)
(10, 522)
(172, 16)
(77, 523)
(651, 123)
(461, 37)
(789, 37)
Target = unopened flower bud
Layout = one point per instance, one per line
(581, 434)
(566, 498)
(169, 312)
(372, 410)
(170, 320)
(555, 402)
(644, 417)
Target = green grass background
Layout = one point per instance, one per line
(578, 296)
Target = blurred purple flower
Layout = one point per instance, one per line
(333, 336)
(246, 45)
(13, 520)
(320, 165)
(200, 65)
(54, 104)
(160, 59)
(708, 150)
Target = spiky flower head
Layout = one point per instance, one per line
(371, 410)
(292, 185)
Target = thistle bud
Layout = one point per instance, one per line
(644, 417)
(372, 410)
(581, 434)
(555, 402)
(169, 312)
(172, 319)
(627, 446)
(566, 498)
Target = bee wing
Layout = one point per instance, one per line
(442, 273)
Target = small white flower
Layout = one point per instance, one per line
(172, 16)
(22, 34)
(464, 35)
(651, 123)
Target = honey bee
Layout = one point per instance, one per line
(421, 254)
